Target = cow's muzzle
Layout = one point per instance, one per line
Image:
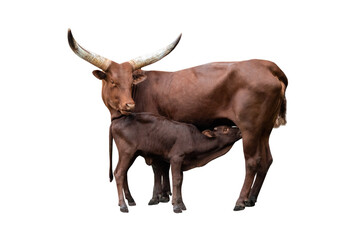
(127, 109)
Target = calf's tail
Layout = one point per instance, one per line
(110, 154)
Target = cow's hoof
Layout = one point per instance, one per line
(153, 201)
(239, 208)
(177, 209)
(124, 209)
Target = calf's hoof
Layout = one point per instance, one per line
(154, 201)
(177, 209)
(164, 199)
(239, 208)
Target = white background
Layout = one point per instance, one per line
(54, 125)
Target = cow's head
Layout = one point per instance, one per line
(119, 78)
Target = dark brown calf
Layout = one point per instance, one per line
(180, 144)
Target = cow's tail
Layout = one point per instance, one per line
(281, 118)
(110, 154)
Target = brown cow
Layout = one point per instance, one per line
(249, 94)
(180, 144)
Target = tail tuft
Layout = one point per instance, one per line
(281, 119)
(277, 72)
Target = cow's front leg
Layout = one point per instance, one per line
(177, 177)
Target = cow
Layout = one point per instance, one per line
(249, 94)
(180, 144)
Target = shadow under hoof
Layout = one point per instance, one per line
(239, 208)
(124, 209)
(153, 201)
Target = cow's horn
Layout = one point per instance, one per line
(93, 58)
(145, 60)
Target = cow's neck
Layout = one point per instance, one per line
(143, 94)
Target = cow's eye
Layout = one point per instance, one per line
(225, 130)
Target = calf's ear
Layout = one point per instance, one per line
(99, 74)
(208, 133)
(138, 76)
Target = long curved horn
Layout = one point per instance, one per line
(93, 58)
(145, 60)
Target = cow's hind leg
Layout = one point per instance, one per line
(165, 184)
(257, 113)
(253, 157)
(265, 164)
(161, 189)
(157, 182)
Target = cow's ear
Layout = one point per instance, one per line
(138, 76)
(208, 133)
(99, 74)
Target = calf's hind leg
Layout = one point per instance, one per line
(128, 196)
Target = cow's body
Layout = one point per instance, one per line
(249, 94)
(209, 93)
(180, 144)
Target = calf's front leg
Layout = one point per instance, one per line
(177, 177)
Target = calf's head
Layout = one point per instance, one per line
(118, 79)
(224, 134)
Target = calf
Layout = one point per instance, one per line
(180, 144)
